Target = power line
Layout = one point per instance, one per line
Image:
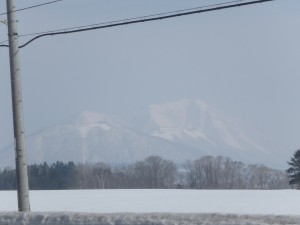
(31, 7)
(129, 19)
(3, 42)
(179, 13)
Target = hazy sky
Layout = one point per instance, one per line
(244, 61)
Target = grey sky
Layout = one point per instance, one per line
(244, 61)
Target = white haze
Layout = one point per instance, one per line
(243, 61)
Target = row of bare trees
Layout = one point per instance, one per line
(153, 172)
(207, 172)
(219, 172)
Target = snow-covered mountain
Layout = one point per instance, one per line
(94, 137)
(180, 130)
(196, 124)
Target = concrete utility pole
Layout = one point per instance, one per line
(17, 106)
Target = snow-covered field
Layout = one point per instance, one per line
(184, 205)
(282, 202)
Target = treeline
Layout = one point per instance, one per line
(207, 172)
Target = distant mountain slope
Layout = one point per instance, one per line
(95, 137)
(198, 125)
(180, 130)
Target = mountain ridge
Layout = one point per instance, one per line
(179, 130)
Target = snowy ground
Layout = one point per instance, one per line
(184, 205)
(283, 202)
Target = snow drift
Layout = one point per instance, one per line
(142, 219)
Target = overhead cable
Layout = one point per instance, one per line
(130, 19)
(3, 42)
(31, 7)
(143, 19)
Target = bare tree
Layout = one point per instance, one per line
(210, 172)
(86, 179)
(155, 172)
(102, 174)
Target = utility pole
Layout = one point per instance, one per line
(17, 106)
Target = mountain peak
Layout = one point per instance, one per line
(199, 125)
(89, 118)
(181, 114)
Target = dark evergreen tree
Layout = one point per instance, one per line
(38, 176)
(294, 170)
(62, 176)
(8, 179)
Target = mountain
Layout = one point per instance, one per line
(179, 130)
(94, 137)
(199, 125)
(196, 124)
